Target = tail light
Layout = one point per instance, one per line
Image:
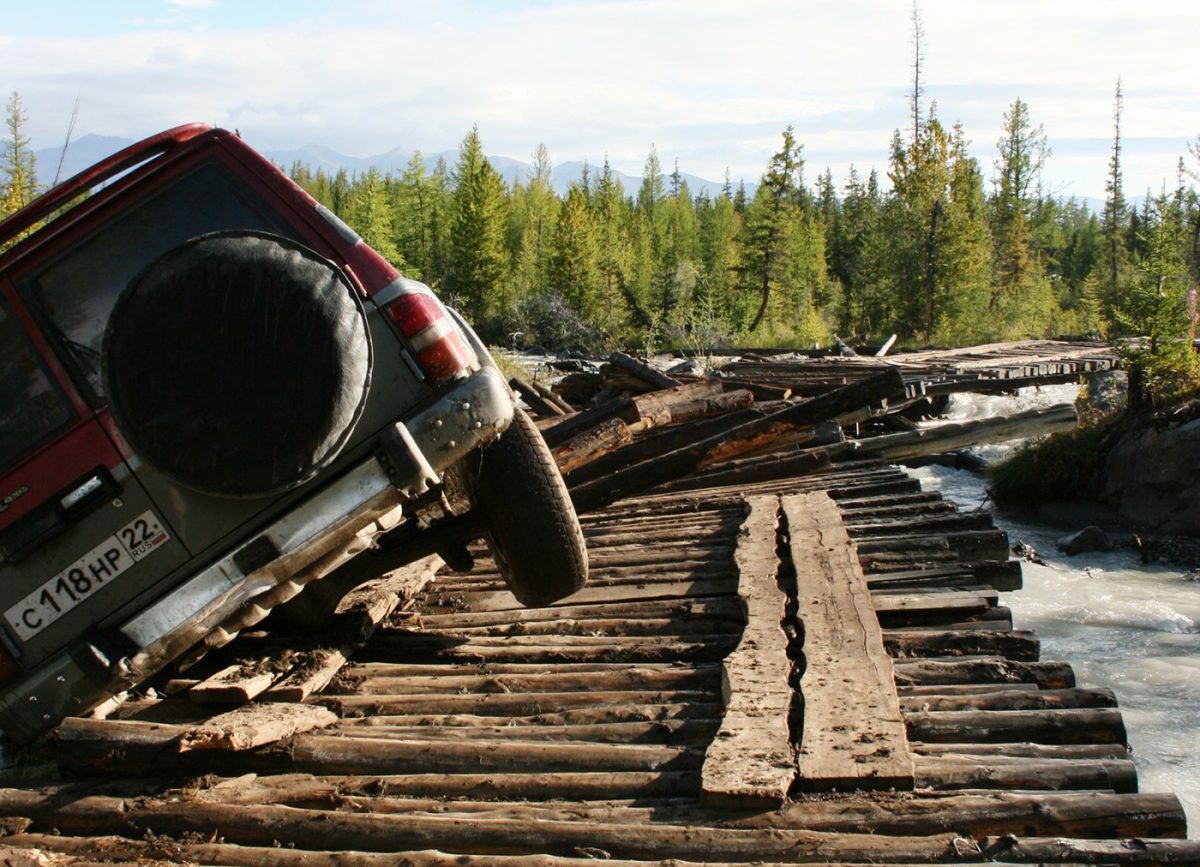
(424, 323)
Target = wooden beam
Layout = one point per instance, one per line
(255, 725)
(853, 732)
(750, 761)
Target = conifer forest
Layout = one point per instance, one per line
(938, 246)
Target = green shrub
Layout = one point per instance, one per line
(1063, 466)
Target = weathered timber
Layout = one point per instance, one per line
(724, 608)
(1001, 698)
(626, 678)
(746, 470)
(151, 748)
(398, 647)
(949, 618)
(629, 409)
(1056, 850)
(631, 704)
(750, 760)
(304, 680)
(1020, 645)
(934, 600)
(1024, 750)
(236, 684)
(1047, 675)
(909, 524)
(1054, 726)
(661, 441)
(549, 394)
(645, 475)
(947, 437)
(586, 446)
(253, 726)
(535, 400)
(694, 408)
(853, 732)
(1004, 772)
(331, 830)
(699, 732)
(1002, 575)
(652, 377)
(965, 544)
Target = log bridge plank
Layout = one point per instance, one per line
(751, 762)
(853, 735)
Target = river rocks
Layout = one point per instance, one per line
(1088, 539)
(1154, 477)
(1027, 552)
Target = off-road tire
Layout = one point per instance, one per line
(533, 531)
(238, 363)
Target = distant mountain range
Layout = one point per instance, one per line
(90, 149)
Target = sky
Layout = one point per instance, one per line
(710, 83)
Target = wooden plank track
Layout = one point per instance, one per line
(853, 732)
(750, 761)
(470, 730)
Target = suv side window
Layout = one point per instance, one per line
(79, 288)
(32, 407)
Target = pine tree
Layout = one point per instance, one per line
(1160, 304)
(18, 162)
(477, 252)
(611, 214)
(371, 215)
(533, 214)
(412, 217)
(934, 258)
(573, 269)
(1021, 294)
(776, 202)
(1115, 213)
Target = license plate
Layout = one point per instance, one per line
(79, 581)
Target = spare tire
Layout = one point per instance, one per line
(238, 363)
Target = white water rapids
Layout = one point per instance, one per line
(1119, 623)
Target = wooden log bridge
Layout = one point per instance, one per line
(784, 668)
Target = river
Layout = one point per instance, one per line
(1119, 623)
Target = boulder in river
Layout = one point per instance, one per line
(1154, 476)
(1090, 538)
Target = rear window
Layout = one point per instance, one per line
(78, 289)
(32, 407)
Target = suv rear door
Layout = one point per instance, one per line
(79, 537)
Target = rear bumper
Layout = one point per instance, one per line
(315, 537)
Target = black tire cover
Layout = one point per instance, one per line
(238, 363)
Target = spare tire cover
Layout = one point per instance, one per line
(238, 363)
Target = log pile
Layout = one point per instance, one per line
(773, 666)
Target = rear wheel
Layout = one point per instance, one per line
(533, 531)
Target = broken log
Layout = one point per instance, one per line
(947, 437)
(653, 378)
(535, 400)
(639, 477)
(588, 445)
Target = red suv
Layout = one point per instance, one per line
(212, 392)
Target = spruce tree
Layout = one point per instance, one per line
(18, 162)
(477, 252)
(1115, 213)
(776, 204)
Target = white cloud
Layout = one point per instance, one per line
(709, 81)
